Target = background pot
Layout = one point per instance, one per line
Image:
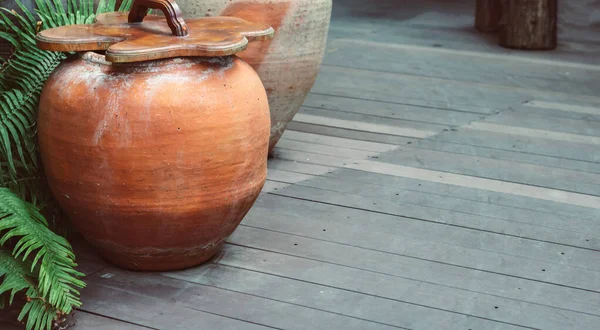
(288, 64)
(156, 163)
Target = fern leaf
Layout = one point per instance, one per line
(125, 5)
(8, 37)
(14, 274)
(17, 277)
(41, 263)
(58, 279)
(16, 123)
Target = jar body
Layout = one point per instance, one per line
(156, 163)
(289, 63)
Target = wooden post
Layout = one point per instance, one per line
(528, 24)
(487, 15)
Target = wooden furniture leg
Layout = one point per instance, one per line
(528, 24)
(487, 15)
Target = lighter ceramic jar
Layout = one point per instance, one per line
(288, 64)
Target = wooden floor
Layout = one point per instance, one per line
(431, 181)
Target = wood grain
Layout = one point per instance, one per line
(153, 38)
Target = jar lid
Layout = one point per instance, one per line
(128, 37)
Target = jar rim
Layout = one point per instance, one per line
(98, 58)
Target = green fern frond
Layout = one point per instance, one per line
(17, 277)
(41, 264)
(53, 256)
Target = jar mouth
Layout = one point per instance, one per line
(98, 57)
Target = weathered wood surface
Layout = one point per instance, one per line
(131, 39)
(487, 15)
(529, 24)
(435, 189)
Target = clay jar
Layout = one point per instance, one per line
(155, 162)
(288, 64)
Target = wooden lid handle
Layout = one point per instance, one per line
(139, 10)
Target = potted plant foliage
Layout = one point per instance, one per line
(37, 265)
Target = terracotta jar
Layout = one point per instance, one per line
(288, 64)
(156, 162)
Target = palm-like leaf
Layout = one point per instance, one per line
(42, 263)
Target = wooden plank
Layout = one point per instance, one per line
(8, 318)
(513, 70)
(338, 142)
(551, 112)
(505, 197)
(480, 167)
(508, 155)
(484, 196)
(430, 22)
(548, 123)
(535, 133)
(234, 307)
(563, 107)
(477, 183)
(359, 122)
(535, 234)
(526, 144)
(508, 171)
(321, 149)
(464, 213)
(455, 37)
(151, 304)
(89, 267)
(79, 320)
(433, 253)
(317, 296)
(505, 92)
(349, 134)
(351, 275)
(311, 158)
(272, 186)
(416, 192)
(573, 255)
(391, 110)
(83, 321)
(286, 176)
(88, 260)
(421, 91)
(297, 167)
(560, 179)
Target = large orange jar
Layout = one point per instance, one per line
(155, 162)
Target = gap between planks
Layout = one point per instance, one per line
(535, 93)
(473, 138)
(574, 230)
(329, 163)
(486, 55)
(347, 270)
(476, 182)
(222, 305)
(386, 182)
(362, 126)
(506, 284)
